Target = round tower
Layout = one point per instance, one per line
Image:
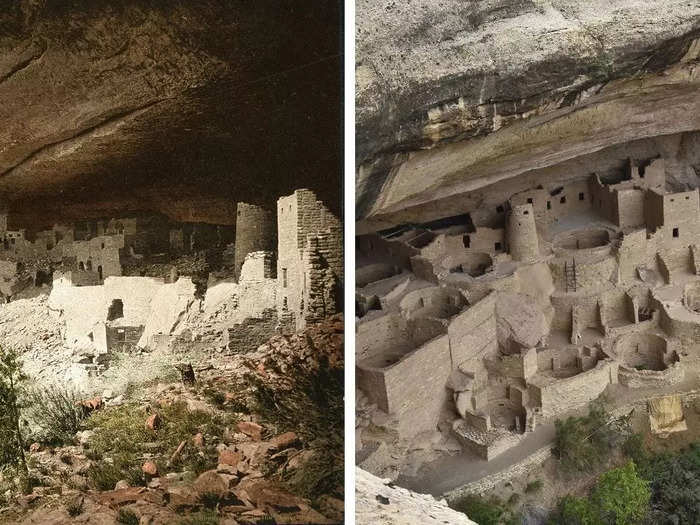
(255, 232)
(521, 234)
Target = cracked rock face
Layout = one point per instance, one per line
(381, 502)
(162, 102)
(456, 96)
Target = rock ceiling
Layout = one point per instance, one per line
(456, 96)
(123, 106)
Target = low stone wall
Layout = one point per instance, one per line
(521, 468)
(251, 333)
(633, 378)
(556, 396)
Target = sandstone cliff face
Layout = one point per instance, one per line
(456, 96)
(116, 101)
(382, 503)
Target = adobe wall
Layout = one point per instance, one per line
(522, 241)
(81, 307)
(632, 252)
(629, 208)
(304, 224)
(472, 336)
(258, 266)
(632, 378)
(324, 275)
(561, 395)
(255, 231)
(248, 335)
(416, 387)
(548, 204)
(387, 250)
(167, 308)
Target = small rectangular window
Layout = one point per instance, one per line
(466, 240)
(675, 232)
(581, 196)
(497, 246)
(499, 209)
(563, 200)
(284, 277)
(549, 205)
(529, 201)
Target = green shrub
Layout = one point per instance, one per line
(584, 443)
(127, 517)
(534, 486)
(104, 475)
(206, 517)
(314, 410)
(621, 496)
(574, 511)
(74, 506)
(56, 412)
(485, 512)
(675, 487)
(120, 434)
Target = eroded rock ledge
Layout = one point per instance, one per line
(453, 98)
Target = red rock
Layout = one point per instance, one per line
(283, 441)
(149, 468)
(250, 429)
(91, 404)
(153, 422)
(182, 497)
(230, 457)
(34, 447)
(117, 498)
(210, 482)
(198, 440)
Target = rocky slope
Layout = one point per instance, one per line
(381, 502)
(210, 452)
(453, 97)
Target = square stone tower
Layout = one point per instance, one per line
(309, 259)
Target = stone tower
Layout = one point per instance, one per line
(255, 232)
(521, 234)
(309, 257)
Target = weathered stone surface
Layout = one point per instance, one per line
(498, 88)
(382, 503)
(135, 96)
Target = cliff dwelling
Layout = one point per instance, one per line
(515, 313)
(171, 252)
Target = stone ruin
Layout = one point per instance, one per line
(270, 283)
(488, 324)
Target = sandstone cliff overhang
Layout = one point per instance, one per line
(166, 103)
(457, 96)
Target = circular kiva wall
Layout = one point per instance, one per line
(692, 297)
(644, 352)
(474, 264)
(436, 302)
(583, 239)
(374, 272)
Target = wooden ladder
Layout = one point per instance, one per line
(570, 275)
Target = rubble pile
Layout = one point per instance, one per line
(320, 344)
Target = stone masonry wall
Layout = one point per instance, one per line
(250, 334)
(416, 387)
(301, 216)
(561, 395)
(472, 336)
